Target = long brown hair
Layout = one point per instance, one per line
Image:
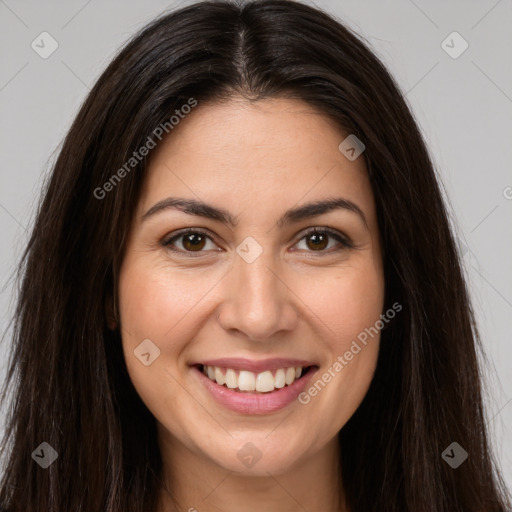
(69, 379)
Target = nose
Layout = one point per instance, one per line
(257, 300)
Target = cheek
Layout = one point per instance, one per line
(343, 307)
(161, 306)
(153, 302)
(153, 306)
(346, 304)
(347, 308)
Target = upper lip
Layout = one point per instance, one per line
(240, 363)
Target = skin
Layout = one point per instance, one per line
(255, 160)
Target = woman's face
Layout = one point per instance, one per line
(253, 294)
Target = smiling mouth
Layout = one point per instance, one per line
(265, 382)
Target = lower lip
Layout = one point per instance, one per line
(255, 403)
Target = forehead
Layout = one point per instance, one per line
(273, 151)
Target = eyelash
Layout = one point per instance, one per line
(324, 230)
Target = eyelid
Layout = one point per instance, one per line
(334, 233)
(343, 239)
(166, 242)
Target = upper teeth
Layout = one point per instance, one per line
(249, 381)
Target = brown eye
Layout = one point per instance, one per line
(193, 241)
(324, 240)
(190, 241)
(317, 241)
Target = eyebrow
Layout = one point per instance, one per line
(306, 211)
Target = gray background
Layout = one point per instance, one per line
(463, 106)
